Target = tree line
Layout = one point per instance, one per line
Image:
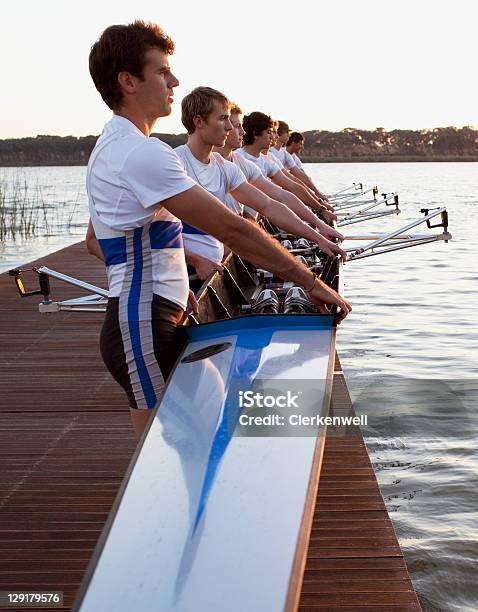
(350, 144)
(427, 144)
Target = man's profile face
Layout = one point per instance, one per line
(282, 138)
(265, 139)
(297, 147)
(216, 127)
(234, 137)
(155, 92)
(274, 137)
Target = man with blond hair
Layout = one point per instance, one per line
(138, 195)
(205, 115)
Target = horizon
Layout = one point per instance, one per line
(183, 132)
(371, 64)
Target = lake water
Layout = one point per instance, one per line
(409, 351)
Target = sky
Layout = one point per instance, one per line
(315, 64)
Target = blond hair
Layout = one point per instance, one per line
(200, 102)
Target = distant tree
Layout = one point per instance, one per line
(349, 143)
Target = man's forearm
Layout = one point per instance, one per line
(298, 190)
(256, 246)
(190, 257)
(286, 219)
(92, 244)
(308, 198)
(291, 177)
(277, 212)
(291, 201)
(305, 178)
(241, 236)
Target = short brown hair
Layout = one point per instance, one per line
(254, 124)
(282, 127)
(200, 103)
(121, 48)
(295, 137)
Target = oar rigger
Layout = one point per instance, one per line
(43, 280)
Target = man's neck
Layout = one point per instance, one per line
(253, 149)
(225, 151)
(278, 146)
(200, 149)
(138, 118)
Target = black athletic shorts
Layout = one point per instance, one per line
(136, 368)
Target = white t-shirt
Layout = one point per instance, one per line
(252, 172)
(296, 158)
(267, 165)
(284, 156)
(275, 159)
(219, 177)
(128, 175)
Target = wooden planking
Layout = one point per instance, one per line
(66, 440)
(65, 435)
(45, 360)
(354, 561)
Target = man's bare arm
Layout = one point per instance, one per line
(291, 177)
(204, 267)
(302, 193)
(283, 217)
(92, 244)
(199, 208)
(292, 201)
(305, 178)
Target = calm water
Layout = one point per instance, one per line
(410, 354)
(65, 220)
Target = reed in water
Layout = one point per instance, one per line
(27, 210)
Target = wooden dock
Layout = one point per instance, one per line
(66, 440)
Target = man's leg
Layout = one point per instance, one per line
(168, 341)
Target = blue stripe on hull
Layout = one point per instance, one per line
(254, 334)
(257, 322)
(245, 362)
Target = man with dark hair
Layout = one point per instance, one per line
(205, 114)
(124, 49)
(258, 136)
(138, 194)
(294, 144)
